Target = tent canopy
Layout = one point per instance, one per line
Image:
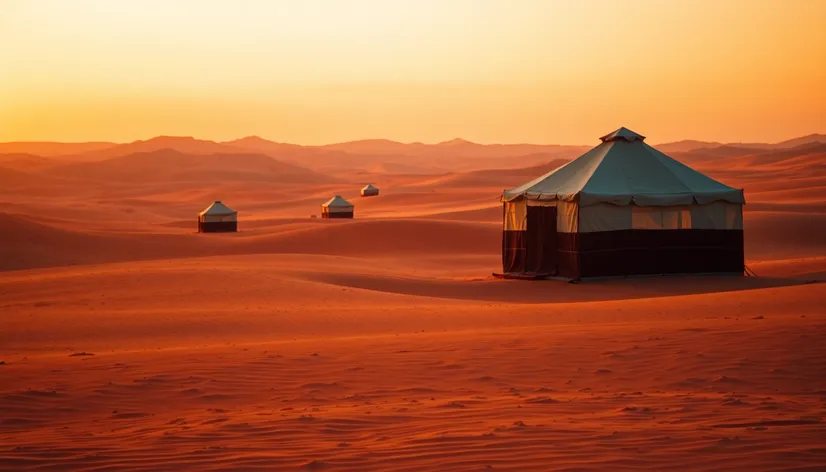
(623, 170)
(218, 209)
(337, 202)
(369, 187)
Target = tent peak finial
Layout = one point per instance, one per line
(623, 134)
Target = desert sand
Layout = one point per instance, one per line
(130, 342)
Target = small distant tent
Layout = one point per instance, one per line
(337, 207)
(623, 208)
(369, 191)
(218, 218)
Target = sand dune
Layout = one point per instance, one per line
(377, 146)
(809, 138)
(30, 244)
(814, 152)
(389, 157)
(209, 373)
(25, 162)
(173, 165)
(494, 179)
(399, 168)
(771, 235)
(715, 155)
(694, 145)
(456, 148)
(11, 180)
(381, 156)
(182, 144)
(444, 292)
(130, 342)
(258, 144)
(687, 145)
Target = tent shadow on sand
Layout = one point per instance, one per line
(520, 292)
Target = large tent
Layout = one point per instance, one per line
(337, 207)
(218, 218)
(623, 208)
(369, 191)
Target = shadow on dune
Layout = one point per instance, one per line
(552, 291)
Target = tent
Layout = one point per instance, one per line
(623, 208)
(369, 191)
(337, 207)
(218, 218)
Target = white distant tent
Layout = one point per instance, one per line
(623, 208)
(218, 218)
(337, 207)
(369, 191)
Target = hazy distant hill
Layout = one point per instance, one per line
(48, 149)
(255, 143)
(693, 145)
(174, 165)
(784, 155)
(376, 146)
(370, 155)
(182, 144)
(498, 178)
(453, 148)
(811, 138)
(381, 155)
(26, 162)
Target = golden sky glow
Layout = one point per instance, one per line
(321, 71)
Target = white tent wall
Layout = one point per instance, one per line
(571, 218)
(515, 216)
(677, 217)
(339, 209)
(608, 217)
(218, 218)
(717, 215)
(567, 217)
(604, 217)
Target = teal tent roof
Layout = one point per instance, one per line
(623, 170)
(337, 202)
(217, 209)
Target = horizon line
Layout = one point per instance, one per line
(457, 139)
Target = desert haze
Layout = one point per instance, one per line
(130, 341)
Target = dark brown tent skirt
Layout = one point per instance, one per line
(217, 227)
(337, 215)
(627, 253)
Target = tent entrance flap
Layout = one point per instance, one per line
(513, 238)
(540, 247)
(513, 251)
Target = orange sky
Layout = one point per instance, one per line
(321, 71)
